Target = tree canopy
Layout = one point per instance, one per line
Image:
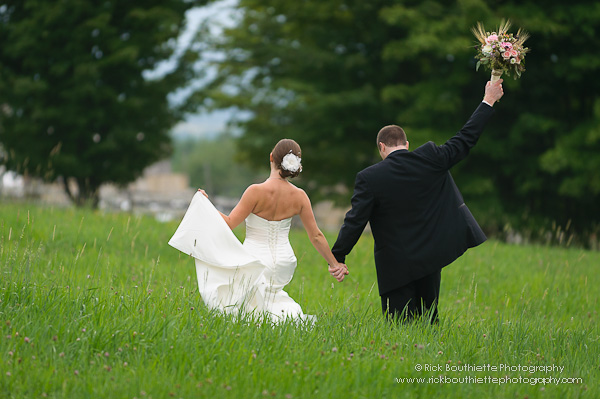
(76, 101)
(331, 73)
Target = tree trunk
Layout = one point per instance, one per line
(86, 193)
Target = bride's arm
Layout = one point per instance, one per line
(317, 238)
(242, 209)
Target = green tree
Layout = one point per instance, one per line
(331, 74)
(76, 100)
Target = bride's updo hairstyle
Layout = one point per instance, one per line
(287, 158)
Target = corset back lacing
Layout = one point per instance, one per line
(273, 240)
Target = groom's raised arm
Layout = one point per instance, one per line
(355, 220)
(458, 147)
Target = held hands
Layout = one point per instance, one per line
(493, 91)
(339, 271)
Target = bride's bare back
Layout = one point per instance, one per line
(278, 199)
(275, 199)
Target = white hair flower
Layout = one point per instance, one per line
(292, 163)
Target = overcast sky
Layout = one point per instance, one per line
(203, 125)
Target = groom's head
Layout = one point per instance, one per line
(391, 138)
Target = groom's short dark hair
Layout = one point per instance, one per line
(391, 136)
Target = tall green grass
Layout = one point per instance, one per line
(97, 305)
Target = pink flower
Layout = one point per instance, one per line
(491, 38)
(514, 53)
(506, 54)
(507, 45)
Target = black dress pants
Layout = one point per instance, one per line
(415, 299)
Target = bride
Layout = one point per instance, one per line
(250, 278)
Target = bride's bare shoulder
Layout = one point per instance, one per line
(300, 193)
(261, 189)
(253, 189)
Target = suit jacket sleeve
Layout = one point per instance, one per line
(458, 147)
(356, 219)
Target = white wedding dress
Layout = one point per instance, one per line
(236, 278)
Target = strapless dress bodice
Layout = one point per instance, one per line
(268, 240)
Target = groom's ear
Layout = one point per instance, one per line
(271, 157)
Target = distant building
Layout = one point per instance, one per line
(158, 191)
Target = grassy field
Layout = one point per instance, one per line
(97, 305)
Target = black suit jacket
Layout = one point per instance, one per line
(418, 217)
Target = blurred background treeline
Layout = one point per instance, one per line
(90, 93)
(211, 163)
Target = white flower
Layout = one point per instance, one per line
(487, 48)
(292, 163)
(513, 61)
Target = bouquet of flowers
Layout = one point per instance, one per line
(501, 51)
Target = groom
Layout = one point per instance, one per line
(418, 217)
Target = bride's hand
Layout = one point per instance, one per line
(203, 192)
